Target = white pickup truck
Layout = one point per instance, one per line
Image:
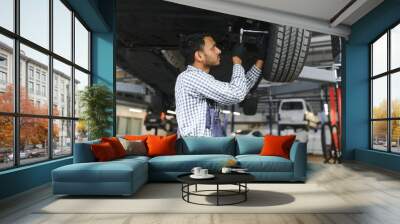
(297, 114)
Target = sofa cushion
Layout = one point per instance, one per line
(277, 145)
(257, 163)
(112, 171)
(206, 145)
(134, 147)
(185, 163)
(161, 145)
(116, 145)
(133, 157)
(248, 145)
(103, 152)
(136, 137)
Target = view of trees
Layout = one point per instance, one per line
(33, 131)
(380, 127)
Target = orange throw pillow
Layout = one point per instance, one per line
(277, 145)
(136, 137)
(116, 145)
(103, 152)
(161, 145)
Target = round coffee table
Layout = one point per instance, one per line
(238, 179)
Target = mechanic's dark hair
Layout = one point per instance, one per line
(190, 44)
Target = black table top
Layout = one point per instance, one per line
(220, 178)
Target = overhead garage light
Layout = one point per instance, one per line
(135, 110)
(226, 112)
(236, 113)
(171, 112)
(326, 109)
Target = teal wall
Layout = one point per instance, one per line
(356, 83)
(103, 54)
(24, 178)
(99, 15)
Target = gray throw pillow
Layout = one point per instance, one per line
(136, 147)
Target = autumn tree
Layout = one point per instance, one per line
(33, 130)
(380, 127)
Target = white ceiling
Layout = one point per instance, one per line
(320, 9)
(314, 15)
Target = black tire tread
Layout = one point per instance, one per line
(287, 53)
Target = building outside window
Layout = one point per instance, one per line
(38, 89)
(44, 77)
(3, 78)
(37, 74)
(43, 90)
(3, 61)
(30, 87)
(30, 72)
(3, 70)
(385, 94)
(33, 74)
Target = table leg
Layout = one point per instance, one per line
(245, 193)
(188, 190)
(196, 188)
(182, 188)
(217, 194)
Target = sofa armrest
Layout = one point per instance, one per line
(83, 152)
(298, 155)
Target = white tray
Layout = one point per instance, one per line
(208, 176)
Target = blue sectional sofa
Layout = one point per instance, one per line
(125, 176)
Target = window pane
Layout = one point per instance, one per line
(81, 81)
(35, 21)
(6, 74)
(379, 97)
(379, 55)
(395, 47)
(33, 139)
(62, 29)
(6, 142)
(62, 89)
(81, 131)
(62, 138)
(81, 45)
(34, 74)
(7, 14)
(395, 94)
(379, 135)
(395, 136)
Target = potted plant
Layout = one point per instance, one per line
(96, 102)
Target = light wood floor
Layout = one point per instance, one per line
(377, 188)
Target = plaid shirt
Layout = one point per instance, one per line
(192, 89)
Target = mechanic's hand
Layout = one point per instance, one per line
(261, 47)
(238, 51)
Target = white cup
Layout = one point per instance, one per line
(226, 170)
(196, 170)
(203, 172)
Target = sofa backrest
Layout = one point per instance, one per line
(249, 145)
(206, 145)
(83, 153)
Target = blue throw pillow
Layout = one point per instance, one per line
(249, 145)
(206, 145)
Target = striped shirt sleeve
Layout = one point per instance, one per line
(225, 93)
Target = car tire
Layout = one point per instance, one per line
(286, 53)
